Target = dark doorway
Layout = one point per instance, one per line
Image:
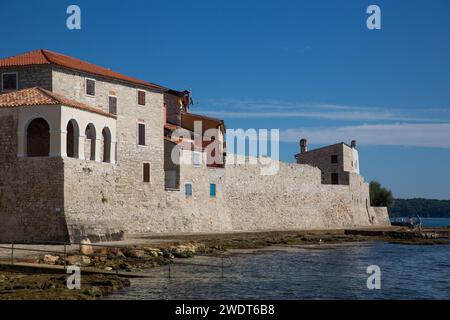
(335, 178)
(38, 138)
(72, 139)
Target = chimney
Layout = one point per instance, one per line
(353, 144)
(303, 145)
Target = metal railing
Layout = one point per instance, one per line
(64, 253)
(14, 247)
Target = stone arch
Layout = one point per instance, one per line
(91, 137)
(106, 138)
(38, 138)
(72, 138)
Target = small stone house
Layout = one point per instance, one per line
(336, 161)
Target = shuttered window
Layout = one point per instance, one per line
(141, 134)
(188, 190)
(141, 98)
(112, 105)
(212, 190)
(146, 172)
(90, 87)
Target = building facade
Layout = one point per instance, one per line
(336, 162)
(88, 152)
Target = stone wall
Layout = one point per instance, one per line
(57, 198)
(31, 191)
(295, 199)
(113, 197)
(32, 76)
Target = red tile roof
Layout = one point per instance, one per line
(39, 57)
(37, 96)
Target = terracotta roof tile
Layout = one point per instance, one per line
(38, 96)
(39, 57)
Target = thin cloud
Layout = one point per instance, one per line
(230, 109)
(401, 134)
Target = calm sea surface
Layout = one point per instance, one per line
(317, 272)
(436, 222)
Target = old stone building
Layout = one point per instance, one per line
(88, 152)
(336, 161)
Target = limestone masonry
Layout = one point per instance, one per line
(86, 152)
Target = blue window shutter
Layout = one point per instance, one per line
(188, 189)
(212, 190)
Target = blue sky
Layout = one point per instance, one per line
(309, 68)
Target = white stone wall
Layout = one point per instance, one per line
(100, 199)
(293, 199)
(115, 194)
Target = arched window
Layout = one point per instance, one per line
(38, 138)
(72, 139)
(106, 135)
(91, 137)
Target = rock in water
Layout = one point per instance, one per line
(78, 260)
(49, 259)
(85, 247)
(135, 253)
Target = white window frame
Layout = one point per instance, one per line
(17, 81)
(200, 155)
(85, 87)
(137, 97)
(137, 133)
(149, 172)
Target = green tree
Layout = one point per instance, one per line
(379, 196)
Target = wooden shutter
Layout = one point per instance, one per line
(146, 172)
(90, 87)
(141, 138)
(141, 98)
(112, 105)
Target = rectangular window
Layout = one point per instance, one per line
(112, 101)
(335, 178)
(334, 158)
(90, 87)
(10, 81)
(141, 134)
(197, 158)
(188, 190)
(141, 98)
(146, 172)
(212, 190)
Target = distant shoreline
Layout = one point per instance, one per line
(425, 208)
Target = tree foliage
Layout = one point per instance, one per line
(422, 207)
(379, 196)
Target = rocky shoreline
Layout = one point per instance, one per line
(15, 285)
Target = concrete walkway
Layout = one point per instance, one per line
(44, 268)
